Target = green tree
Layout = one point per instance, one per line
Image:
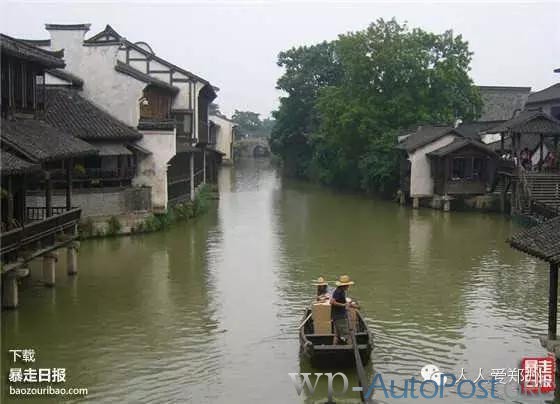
(248, 122)
(308, 69)
(387, 77)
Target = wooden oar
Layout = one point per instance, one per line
(358, 360)
(305, 321)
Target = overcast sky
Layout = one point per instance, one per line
(235, 44)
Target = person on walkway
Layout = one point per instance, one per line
(338, 310)
(323, 293)
(526, 159)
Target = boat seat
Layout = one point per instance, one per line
(338, 347)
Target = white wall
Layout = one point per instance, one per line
(224, 136)
(421, 181)
(118, 94)
(112, 91)
(152, 170)
(55, 81)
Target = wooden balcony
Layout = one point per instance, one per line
(95, 174)
(40, 235)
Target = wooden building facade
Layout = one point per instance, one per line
(464, 167)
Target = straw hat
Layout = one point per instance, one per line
(321, 282)
(344, 280)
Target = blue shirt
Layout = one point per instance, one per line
(338, 312)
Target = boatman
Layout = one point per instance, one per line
(323, 294)
(338, 310)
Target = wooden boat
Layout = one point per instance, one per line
(321, 350)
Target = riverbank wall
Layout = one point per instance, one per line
(480, 203)
(146, 222)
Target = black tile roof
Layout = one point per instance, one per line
(22, 50)
(458, 144)
(500, 102)
(473, 130)
(425, 135)
(548, 94)
(67, 76)
(530, 142)
(36, 42)
(41, 142)
(68, 27)
(541, 241)
(67, 110)
(530, 122)
(146, 78)
(11, 164)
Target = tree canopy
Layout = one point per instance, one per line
(346, 99)
(250, 124)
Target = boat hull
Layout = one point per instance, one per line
(322, 353)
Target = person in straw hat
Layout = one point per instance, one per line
(323, 294)
(338, 309)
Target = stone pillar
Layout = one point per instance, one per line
(72, 257)
(10, 298)
(204, 165)
(446, 205)
(415, 203)
(191, 169)
(402, 198)
(49, 268)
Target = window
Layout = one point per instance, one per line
(184, 125)
(555, 111)
(155, 104)
(478, 168)
(459, 168)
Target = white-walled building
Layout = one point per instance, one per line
(222, 135)
(417, 145)
(167, 104)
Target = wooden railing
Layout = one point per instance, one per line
(544, 210)
(96, 174)
(39, 232)
(179, 188)
(40, 213)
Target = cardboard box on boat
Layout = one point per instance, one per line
(322, 327)
(321, 314)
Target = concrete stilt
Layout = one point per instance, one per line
(10, 299)
(415, 203)
(49, 268)
(72, 258)
(402, 198)
(446, 205)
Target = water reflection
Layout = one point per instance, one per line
(208, 311)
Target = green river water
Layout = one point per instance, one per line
(207, 312)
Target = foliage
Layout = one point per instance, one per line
(347, 98)
(179, 213)
(250, 124)
(85, 228)
(79, 169)
(214, 109)
(113, 225)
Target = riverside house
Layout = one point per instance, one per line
(31, 152)
(102, 183)
(222, 135)
(167, 104)
(442, 163)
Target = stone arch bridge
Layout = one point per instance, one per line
(252, 147)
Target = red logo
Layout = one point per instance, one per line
(538, 375)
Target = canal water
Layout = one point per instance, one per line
(207, 312)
